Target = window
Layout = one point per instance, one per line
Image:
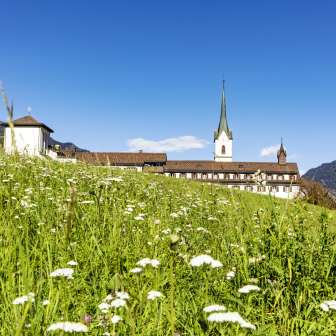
(215, 176)
(223, 149)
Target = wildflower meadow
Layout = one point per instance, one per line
(103, 251)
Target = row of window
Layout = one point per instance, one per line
(266, 188)
(226, 176)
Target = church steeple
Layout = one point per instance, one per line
(223, 135)
(282, 154)
(223, 123)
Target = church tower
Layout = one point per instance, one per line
(282, 154)
(223, 136)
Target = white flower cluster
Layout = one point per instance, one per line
(249, 288)
(230, 275)
(30, 297)
(68, 327)
(214, 308)
(255, 260)
(153, 295)
(205, 259)
(327, 305)
(114, 302)
(62, 273)
(146, 261)
(230, 317)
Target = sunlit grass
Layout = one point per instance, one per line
(109, 220)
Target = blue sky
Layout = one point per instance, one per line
(101, 73)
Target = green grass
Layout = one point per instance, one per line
(52, 213)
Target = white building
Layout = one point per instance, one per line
(28, 136)
(280, 178)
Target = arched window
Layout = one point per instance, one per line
(223, 149)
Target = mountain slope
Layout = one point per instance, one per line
(66, 145)
(325, 174)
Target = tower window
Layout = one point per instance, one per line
(223, 149)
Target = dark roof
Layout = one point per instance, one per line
(230, 167)
(121, 158)
(27, 121)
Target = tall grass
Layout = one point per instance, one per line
(107, 220)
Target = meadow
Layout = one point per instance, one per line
(123, 253)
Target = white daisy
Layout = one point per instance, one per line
(68, 327)
(214, 308)
(153, 295)
(249, 288)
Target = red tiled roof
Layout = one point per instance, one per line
(27, 121)
(241, 167)
(121, 158)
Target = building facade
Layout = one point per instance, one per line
(279, 178)
(28, 136)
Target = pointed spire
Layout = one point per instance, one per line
(223, 123)
(282, 154)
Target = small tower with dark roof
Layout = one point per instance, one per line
(282, 154)
(223, 135)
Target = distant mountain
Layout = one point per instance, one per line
(66, 145)
(325, 174)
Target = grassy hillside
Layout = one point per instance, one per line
(108, 220)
